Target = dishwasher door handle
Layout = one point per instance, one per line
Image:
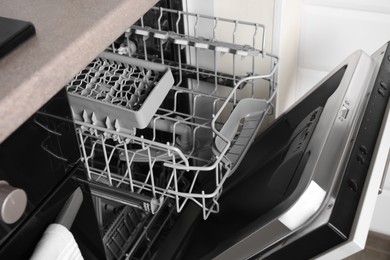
(385, 172)
(70, 209)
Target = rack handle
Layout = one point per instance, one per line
(45, 147)
(70, 209)
(46, 128)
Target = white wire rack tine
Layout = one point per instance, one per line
(196, 52)
(217, 175)
(168, 185)
(178, 50)
(193, 181)
(159, 18)
(174, 132)
(197, 68)
(144, 183)
(179, 14)
(143, 142)
(215, 73)
(215, 105)
(215, 28)
(215, 57)
(180, 68)
(175, 97)
(82, 144)
(204, 206)
(254, 45)
(234, 56)
(196, 25)
(144, 38)
(193, 104)
(161, 40)
(176, 186)
(263, 42)
(106, 160)
(253, 60)
(193, 140)
(154, 127)
(112, 153)
(151, 173)
(128, 162)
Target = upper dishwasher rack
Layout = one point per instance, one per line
(224, 86)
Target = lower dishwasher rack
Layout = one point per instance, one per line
(131, 233)
(201, 128)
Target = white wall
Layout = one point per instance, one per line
(287, 28)
(332, 30)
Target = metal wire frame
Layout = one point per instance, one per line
(178, 153)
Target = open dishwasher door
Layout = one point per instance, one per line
(308, 185)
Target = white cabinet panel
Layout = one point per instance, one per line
(371, 6)
(329, 35)
(380, 220)
(307, 79)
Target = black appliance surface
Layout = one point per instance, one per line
(41, 157)
(12, 33)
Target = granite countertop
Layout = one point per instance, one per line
(69, 34)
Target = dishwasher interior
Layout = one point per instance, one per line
(179, 146)
(164, 117)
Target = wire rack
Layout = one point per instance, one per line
(133, 233)
(224, 87)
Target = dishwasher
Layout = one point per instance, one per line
(186, 159)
